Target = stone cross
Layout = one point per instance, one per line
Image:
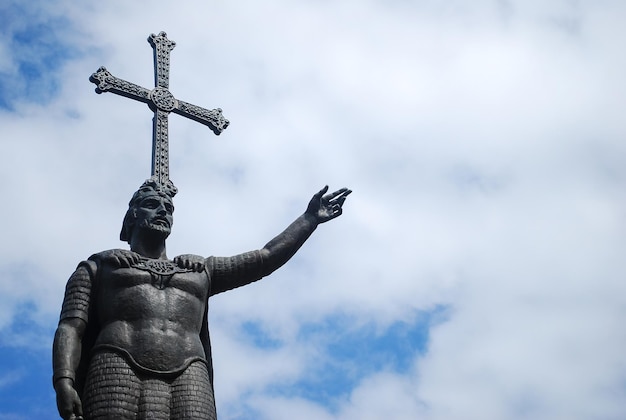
(161, 101)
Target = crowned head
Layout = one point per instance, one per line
(151, 208)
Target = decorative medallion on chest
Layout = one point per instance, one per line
(161, 271)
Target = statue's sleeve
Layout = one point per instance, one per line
(78, 292)
(228, 273)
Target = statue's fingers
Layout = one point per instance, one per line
(340, 200)
(346, 193)
(320, 193)
(336, 210)
(182, 262)
(120, 262)
(339, 195)
(128, 261)
(78, 409)
(333, 194)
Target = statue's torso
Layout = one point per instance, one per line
(156, 320)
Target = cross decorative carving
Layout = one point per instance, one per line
(161, 101)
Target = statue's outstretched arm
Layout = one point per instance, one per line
(231, 272)
(322, 208)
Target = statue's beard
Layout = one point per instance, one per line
(158, 229)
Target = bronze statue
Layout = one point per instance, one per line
(133, 337)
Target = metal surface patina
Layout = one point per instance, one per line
(133, 336)
(161, 101)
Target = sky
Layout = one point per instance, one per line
(478, 269)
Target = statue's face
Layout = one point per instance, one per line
(155, 212)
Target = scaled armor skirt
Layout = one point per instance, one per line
(113, 390)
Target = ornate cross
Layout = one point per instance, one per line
(161, 101)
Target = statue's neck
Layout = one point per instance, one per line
(149, 247)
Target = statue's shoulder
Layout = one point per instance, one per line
(97, 260)
(115, 258)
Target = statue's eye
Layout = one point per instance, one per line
(169, 208)
(151, 204)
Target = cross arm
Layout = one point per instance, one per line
(162, 48)
(106, 82)
(212, 118)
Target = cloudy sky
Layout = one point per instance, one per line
(478, 271)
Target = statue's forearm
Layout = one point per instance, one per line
(67, 348)
(280, 249)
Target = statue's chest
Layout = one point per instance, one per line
(156, 276)
(162, 272)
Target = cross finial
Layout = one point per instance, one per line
(161, 101)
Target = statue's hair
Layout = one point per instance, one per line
(149, 187)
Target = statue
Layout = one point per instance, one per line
(133, 339)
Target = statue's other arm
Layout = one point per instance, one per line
(254, 265)
(66, 351)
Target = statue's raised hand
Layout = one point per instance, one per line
(325, 207)
(120, 257)
(190, 262)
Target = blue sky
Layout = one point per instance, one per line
(477, 271)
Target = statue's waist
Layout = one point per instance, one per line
(144, 369)
(164, 352)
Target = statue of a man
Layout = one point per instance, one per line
(133, 338)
